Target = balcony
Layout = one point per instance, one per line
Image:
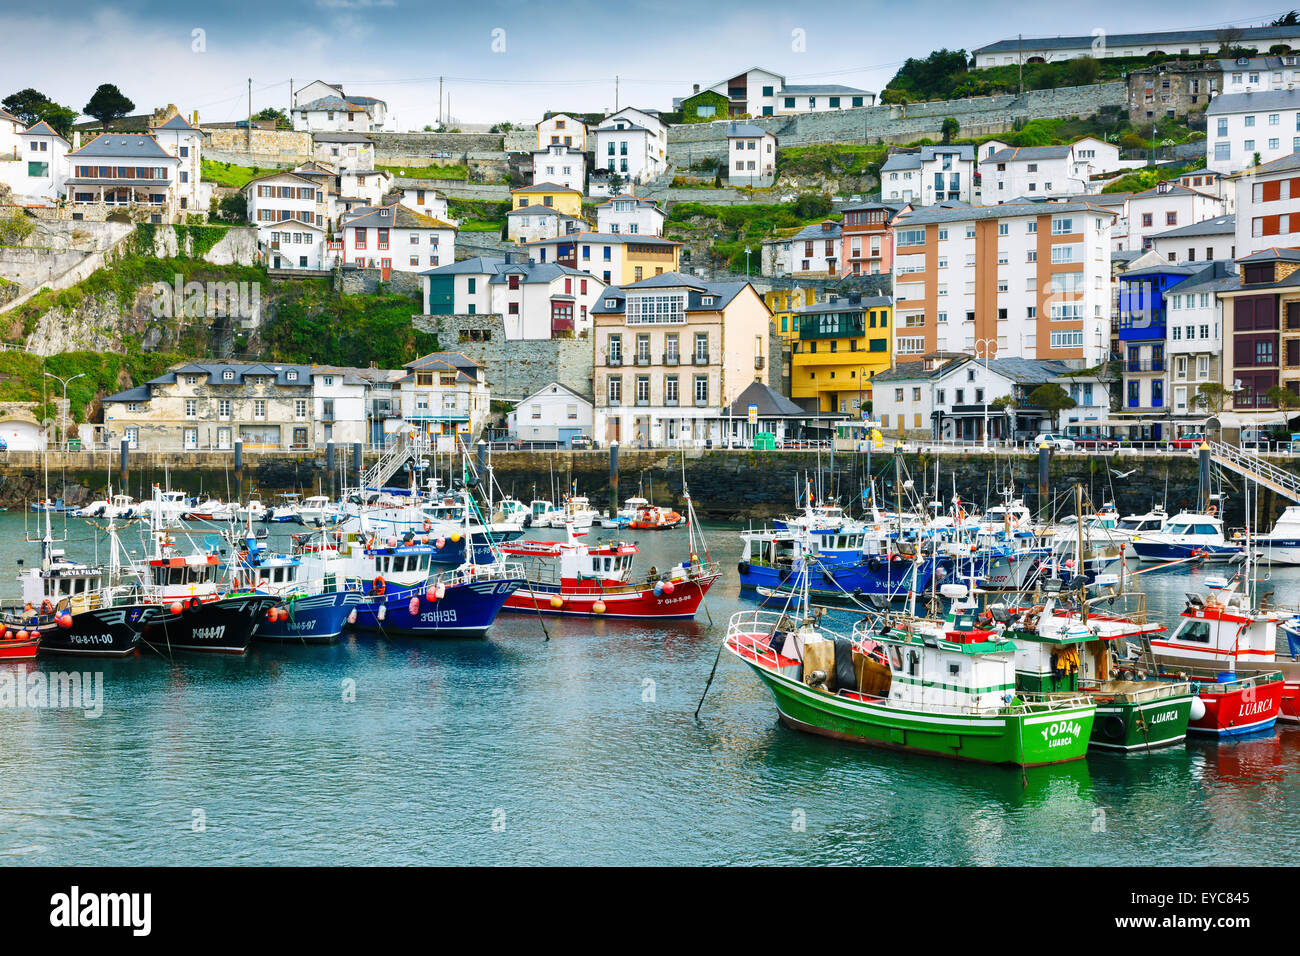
(670, 402)
(672, 358)
(614, 361)
(759, 361)
(1148, 365)
(643, 359)
(698, 359)
(643, 403)
(701, 402)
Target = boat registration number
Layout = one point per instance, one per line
(434, 617)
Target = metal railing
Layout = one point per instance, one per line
(1256, 468)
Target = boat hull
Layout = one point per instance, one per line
(1152, 551)
(1021, 740)
(313, 619)
(1141, 725)
(1248, 708)
(464, 610)
(892, 580)
(104, 632)
(224, 626)
(684, 602)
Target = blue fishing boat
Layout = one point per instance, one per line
(318, 599)
(772, 559)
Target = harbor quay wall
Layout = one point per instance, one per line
(729, 485)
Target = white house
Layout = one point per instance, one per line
(534, 300)
(1166, 206)
(561, 129)
(398, 239)
(42, 166)
(125, 169)
(751, 155)
(1268, 206)
(630, 216)
(423, 196)
(552, 413)
(1201, 241)
(1194, 334)
(615, 258)
(929, 175)
(184, 140)
(1017, 173)
(632, 143)
(361, 187)
(321, 106)
(759, 92)
(10, 128)
(563, 165)
(1208, 40)
(533, 223)
(1241, 125)
(1256, 73)
(812, 252)
(287, 210)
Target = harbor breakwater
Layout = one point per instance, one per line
(732, 485)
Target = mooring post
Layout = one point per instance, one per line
(1205, 477)
(329, 466)
(124, 469)
(239, 469)
(613, 478)
(1044, 458)
(357, 461)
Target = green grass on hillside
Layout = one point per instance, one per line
(427, 172)
(229, 174)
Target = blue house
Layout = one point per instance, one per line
(1143, 327)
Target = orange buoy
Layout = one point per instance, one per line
(177, 607)
(598, 607)
(557, 602)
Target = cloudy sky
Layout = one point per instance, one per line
(508, 61)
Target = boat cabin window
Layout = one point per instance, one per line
(1198, 631)
(1179, 528)
(1205, 529)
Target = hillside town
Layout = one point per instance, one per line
(760, 263)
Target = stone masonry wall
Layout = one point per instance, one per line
(515, 368)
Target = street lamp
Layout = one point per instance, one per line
(748, 250)
(989, 347)
(64, 410)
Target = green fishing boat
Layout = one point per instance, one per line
(913, 684)
(1073, 650)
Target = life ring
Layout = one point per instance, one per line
(428, 525)
(47, 607)
(379, 585)
(1212, 510)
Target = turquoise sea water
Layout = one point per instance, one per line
(581, 749)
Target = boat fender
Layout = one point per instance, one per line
(414, 606)
(441, 543)
(743, 567)
(440, 590)
(3, 629)
(895, 559)
(22, 635)
(1198, 709)
(668, 587)
(598, 607)
(65, 620)
(379, 585)
(352, 617)
(383, 612)
(177, 607)
(557, 602)
(1113, 727)
(431, 595)
(826, 577)
(455, 537)
(873, 563)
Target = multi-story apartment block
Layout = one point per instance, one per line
(630, 216)
(614, 258)
(840, 346)
(1018, 173)
(1195, 336)
(535, 300)
(289, 213)
(751, 155)
(1245, 125)
(633, 144)
(1026, 280)
(671, 354)
(125, 169)
(1268, 206)
(1143, 334)
(1201, 241)
(867, 237)
(561, 129)
(1261, 328)
(446, 396)
(929, 175)
(758, 92)
(324, 107)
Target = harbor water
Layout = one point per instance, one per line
(515, 749)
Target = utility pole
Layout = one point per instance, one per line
(249, 137)
(1020, 61)
(439, 101)
(616, 93)
(291, 100)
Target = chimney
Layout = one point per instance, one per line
(695, 88)
(76, 140)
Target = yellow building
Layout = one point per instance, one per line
(784, 305)
(614, 258)
(560, 198)
(840, 346)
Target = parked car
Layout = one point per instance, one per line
(4, 445)
(1187, 441)
(580, 441)
(1055, 442)
(1093, 442)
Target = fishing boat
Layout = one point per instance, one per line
(318, 600)
(210, 509)
(1228, 648)
(284, 512)
(884, 568)
(577, 511)
(654, 518)
(916, 685)
(543, 512)
(1079, 650)
(1282, 544)
(575, 579)
(317, 510)
(17, 641)
(1188, 534)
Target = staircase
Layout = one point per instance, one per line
(405, 449)
(1257, 469)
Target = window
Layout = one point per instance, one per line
(701, 390)
(223, 408)
(191, 408)
(615, 390)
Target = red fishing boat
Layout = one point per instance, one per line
(575, 579)
(20, 635)
(654, 518)
(1227, 647)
